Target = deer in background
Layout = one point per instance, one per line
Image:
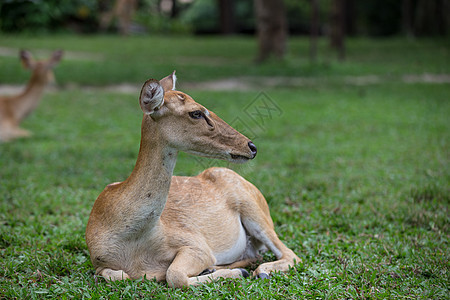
(13, 109)
(184, 230)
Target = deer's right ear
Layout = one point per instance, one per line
(152, 96)
(168, 83)
(27, 59)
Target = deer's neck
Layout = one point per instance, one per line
(30, 97)
(149, 182)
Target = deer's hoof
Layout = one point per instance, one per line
(263, 276)
(207, 272)
(244, 273)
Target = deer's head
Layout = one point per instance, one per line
(42, 69)
(187, 126)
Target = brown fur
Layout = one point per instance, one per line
(172, 228)
(13, 109)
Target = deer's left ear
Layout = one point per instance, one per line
(168, 82)
(55, 58)
(152, 96)
(27, 59)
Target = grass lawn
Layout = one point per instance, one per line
(94, 60)
(357, 176)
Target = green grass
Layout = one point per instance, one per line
(357, 177)
(117, 60)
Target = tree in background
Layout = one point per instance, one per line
(226, 12)
(367, 18)
(431, 17)
(271, 28)
(407, 20)
(314, 29)
(337, 29)
(123, 11)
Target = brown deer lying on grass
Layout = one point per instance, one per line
(172, 228)
(13, 109)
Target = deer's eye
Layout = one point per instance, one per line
(197, 114)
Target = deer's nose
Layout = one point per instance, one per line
(252, 148)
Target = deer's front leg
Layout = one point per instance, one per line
(288, 260)
(19, 132)
(189, 262)
(9, 131)
(113, 275)
(260, 227)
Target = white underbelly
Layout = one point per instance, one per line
(236, 251)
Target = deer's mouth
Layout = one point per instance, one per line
(239, 158)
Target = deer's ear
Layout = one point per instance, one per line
(27, 59)
(55, 58)
(152, 96)
(168, 82)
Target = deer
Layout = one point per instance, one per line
(179, 229)
(15, 108)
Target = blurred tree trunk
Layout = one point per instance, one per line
(226, 10)
(350, 18)
(442, 15)
(174, 10)
(158, 6)
(271, 28)
(407, 18)
(123, 10)
(337, 30)
(314, 30)
(430, 17)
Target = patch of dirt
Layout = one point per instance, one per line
(250, 83)
(70, 55)
(6, 89)
(426, 78)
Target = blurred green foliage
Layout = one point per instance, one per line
(203, 15)
(154, 21)
(388, 22)
(369, 17)
(48, 15)
(161, 24)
